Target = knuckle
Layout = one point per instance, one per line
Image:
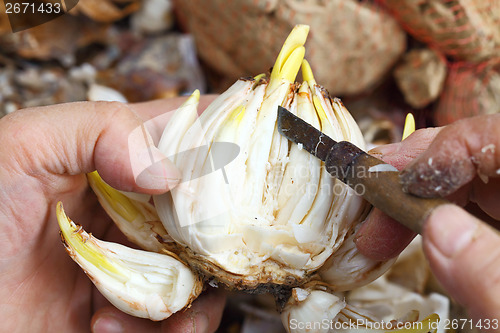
(115, 109)
(119, 114)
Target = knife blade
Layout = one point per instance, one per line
(377, 181)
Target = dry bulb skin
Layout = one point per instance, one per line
(252, 211)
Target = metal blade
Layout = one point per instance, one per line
(300, 132)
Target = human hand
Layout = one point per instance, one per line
(463, 251)
(45, 153)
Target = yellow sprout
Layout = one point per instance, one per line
(193, 99)
(119, 202)
(77, 240)
(409, 126)
(290, 57)
(307, 73)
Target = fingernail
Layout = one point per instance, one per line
(161, 175)
(201, 322)
(107, 324)
(154, 171)
(450, 229)
(385, 149)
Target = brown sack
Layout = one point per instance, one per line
(464, 29)
(470, 90)
(352, 44)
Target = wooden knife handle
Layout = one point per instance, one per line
(378, 182)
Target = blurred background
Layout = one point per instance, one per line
(439, 59)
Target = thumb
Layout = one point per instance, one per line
(381, 237)
(77, 138)
(464, 253)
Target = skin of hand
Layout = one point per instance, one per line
(44, 155)
(462, 163)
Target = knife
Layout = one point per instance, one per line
(377, 181)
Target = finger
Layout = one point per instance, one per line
(111, 320)
(464, 254)
(156, 114)
(381, 237)
(458, 153)
(152, 109)
(477, 211)
(486, 195)
(402, 153)
(76, 138)
(204, 316)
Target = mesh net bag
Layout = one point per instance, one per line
(470, 90)
(464, 29)
(351, 45)
(468, 33)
